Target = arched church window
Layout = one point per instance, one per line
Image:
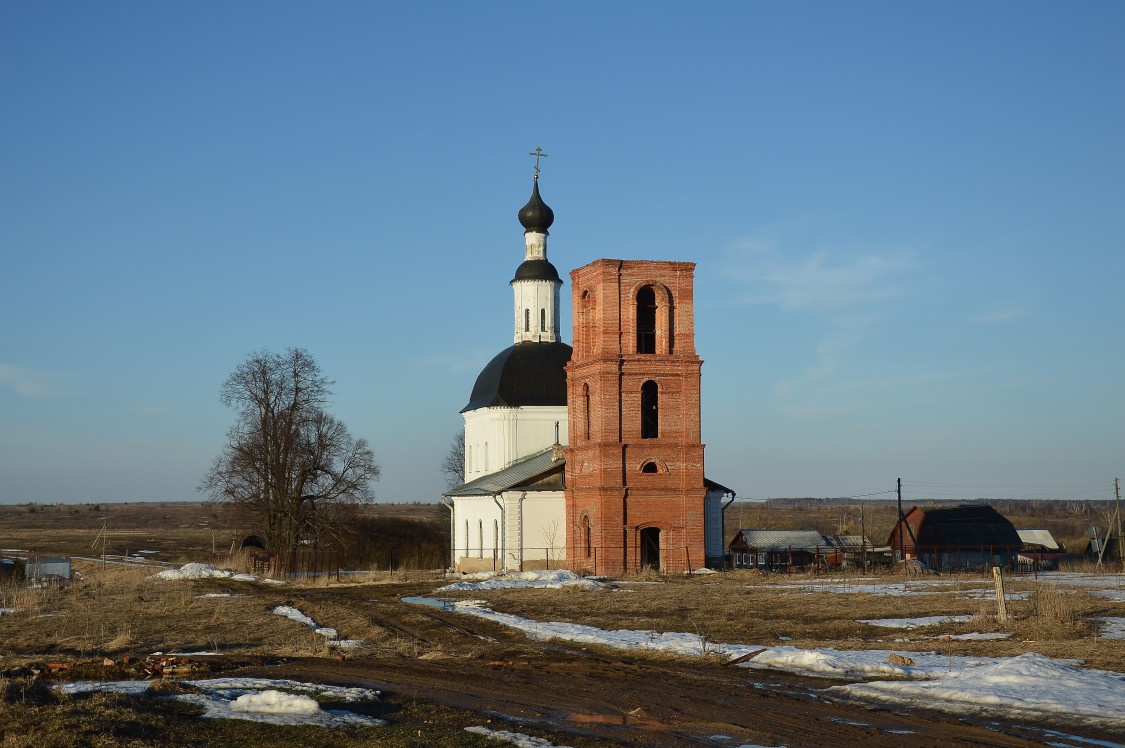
(542, 320)
(648, 467)
(646, 320)
(527, 320)
(586, 534)
(650, 411)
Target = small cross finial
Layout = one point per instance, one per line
(538, 153)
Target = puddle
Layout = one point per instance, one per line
(629, 720)
(430, 601)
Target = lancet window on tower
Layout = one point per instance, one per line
(542, 320)
(585, 415)
(650, 411)
(646, 320)
(527, 320)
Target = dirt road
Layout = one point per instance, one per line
(570, 691)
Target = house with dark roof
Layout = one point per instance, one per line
(967, 537)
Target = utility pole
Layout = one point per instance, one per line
(862, 539)
(1120, 545)
(901, 537)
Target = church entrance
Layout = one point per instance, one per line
(650, 548)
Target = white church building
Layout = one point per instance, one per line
(510, 514)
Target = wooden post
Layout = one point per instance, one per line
(1001, 598)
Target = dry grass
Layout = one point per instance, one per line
(763, 609)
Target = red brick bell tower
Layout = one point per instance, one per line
(634, 464)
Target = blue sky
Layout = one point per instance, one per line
(907, 219)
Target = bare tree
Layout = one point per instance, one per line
(453, 467)
(291, 468)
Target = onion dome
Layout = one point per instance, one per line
(540, 270)
(536, 215)
(523, 374)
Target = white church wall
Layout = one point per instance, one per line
(497, 437)
(477, 538)
(529, 533)
(536, 311)
(544, 533)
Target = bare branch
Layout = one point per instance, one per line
(291, 467)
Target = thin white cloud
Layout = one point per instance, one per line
(820, 280)
(25, 381)
(846, 290)
(1003, 314)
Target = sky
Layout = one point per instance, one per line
(907, 221)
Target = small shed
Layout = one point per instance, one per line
(1040, 552)
(966, 537)
(1103, 550)
(48, 570)
(1038, 539)
(11, 569)
(852, 550)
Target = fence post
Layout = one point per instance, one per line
(1001, 598)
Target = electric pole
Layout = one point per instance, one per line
(1120, 546)
(901, 537)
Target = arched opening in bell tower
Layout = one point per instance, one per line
(646, 320)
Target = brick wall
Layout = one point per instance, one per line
(608, 485)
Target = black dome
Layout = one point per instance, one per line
(536, 215)
(524, 374)
(536, 270)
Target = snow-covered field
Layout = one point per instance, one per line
(1029, 686)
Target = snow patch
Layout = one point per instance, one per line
(1025, 686)
(275, 702)
(513, 738)
(332, 635)
(549, 579)
(194, 570)
(911, 623)
(1112, 628)
(279, 702)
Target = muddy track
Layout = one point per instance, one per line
(622, 699)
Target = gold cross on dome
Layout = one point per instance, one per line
(538, 153)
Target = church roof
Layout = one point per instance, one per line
(536, 270)
(517, 474)
(523, 374)
(536, 215)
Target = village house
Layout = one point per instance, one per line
(974, 536)
(797, 549)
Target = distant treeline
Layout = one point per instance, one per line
(396, 543)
